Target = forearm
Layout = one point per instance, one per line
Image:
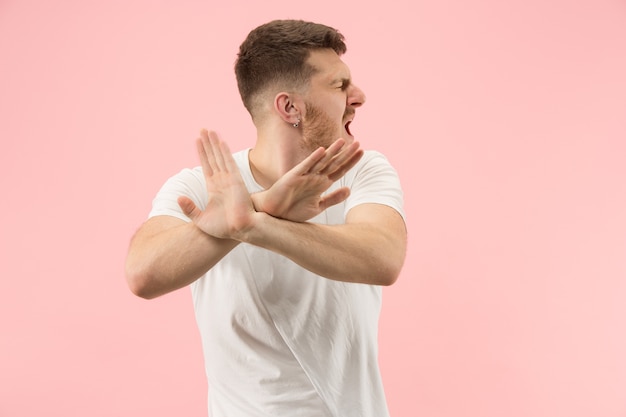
(166, 260)
(357, 252)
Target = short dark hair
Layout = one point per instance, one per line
(276, 52)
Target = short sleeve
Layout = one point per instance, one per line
(374, 180)
(188, 182)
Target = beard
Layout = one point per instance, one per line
(318, 129)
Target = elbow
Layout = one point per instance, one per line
(389, 278)
(384, 275)
(389, 281)
(139, 283)
(389, 273)
(138, 287)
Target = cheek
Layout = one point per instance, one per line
(335, 107)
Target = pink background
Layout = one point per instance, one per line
(505, 119)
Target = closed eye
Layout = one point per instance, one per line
(344, 83)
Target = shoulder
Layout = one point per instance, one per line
(374, 180)
(372, 160)
(373, 157)
(373, 165)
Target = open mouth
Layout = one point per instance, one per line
(347, 127)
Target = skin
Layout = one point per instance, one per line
(295, 166)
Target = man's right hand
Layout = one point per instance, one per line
(230, 210)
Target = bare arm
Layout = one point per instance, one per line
(167, 253)
(369, 248)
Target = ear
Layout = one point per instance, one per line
(288, 106)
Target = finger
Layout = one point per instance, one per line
(206, 166)
(229, 162)
(346, 165)
(335, 197)
(339, 161)
(216, 150)
(334, 149)
(208, 151)
(189, 207)
(307, 164)
(346, 153)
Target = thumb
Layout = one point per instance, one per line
(335, 197)
(188, 207)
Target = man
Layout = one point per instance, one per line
(286, 245)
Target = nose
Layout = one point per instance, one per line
(356, 96)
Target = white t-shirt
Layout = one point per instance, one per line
(279, 340)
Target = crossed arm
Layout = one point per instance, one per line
(167, 253)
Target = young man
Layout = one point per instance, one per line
(285, 245)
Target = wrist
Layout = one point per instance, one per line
(253, 229)
(258, 201)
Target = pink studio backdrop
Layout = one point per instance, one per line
(505, 119)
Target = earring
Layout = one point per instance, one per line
(296, 124)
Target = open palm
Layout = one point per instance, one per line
(229, 210)
(297, 195)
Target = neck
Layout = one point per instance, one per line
(277, 150)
